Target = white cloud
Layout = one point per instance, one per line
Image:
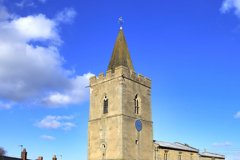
(64, 117)
(49, 122)
(3, 13)
(35, 72)
(228, 144)
(36, 27)
(217, 144)
(52, 122)
(47, 137)
(237, 115)
(221, 144)
(27, 3)
(66, 16)
(5, 105)
(76, 94)
(228, 5)
(68, 126)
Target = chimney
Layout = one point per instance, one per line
(54, 157)
(24, 154)
(40, 158)
(204, 150)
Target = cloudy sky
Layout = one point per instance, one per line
(50, 48)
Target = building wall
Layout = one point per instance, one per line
(173, 154)
(133, 85)
(105, 128)
(116, 129)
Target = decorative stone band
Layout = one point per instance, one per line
(116, 115)
(123, 72)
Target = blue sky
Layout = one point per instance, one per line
(50, 48)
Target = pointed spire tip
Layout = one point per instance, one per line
(120, 55)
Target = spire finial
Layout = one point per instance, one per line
(120, 22)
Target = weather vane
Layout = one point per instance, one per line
(120, 22)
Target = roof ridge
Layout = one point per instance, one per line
(213, 153)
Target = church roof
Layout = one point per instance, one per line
(176, 145)
(120, 55)
(208, 154)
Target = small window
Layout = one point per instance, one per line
(165, 155)
(136, 142)
(179, 157)
(105, 105)
(136, 104)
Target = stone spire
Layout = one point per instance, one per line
(120, 55)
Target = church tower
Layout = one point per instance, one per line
(120, 115)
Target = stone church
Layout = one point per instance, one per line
(120, 123)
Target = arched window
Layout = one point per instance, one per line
(136, 104)
(105, 105)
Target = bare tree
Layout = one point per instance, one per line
(2, 152)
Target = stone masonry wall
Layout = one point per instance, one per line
(116, 129)
(173, 154)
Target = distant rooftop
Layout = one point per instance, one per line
(9, 158)
(176, 145)
(207, 154)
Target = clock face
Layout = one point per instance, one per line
(138, 125)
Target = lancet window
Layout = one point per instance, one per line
(105, 105)
(136, 104)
